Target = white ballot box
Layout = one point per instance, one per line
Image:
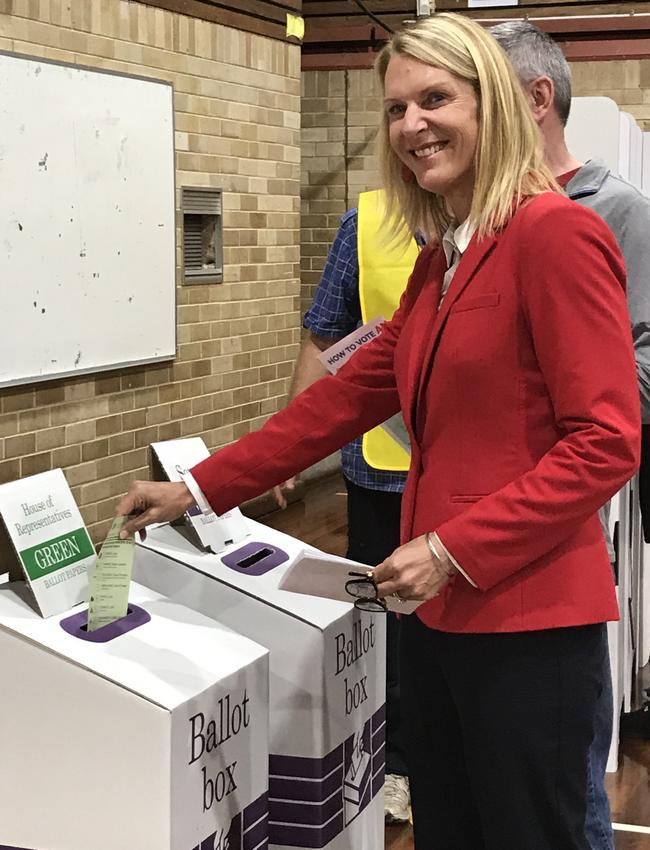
(327, 681)
(148, 733)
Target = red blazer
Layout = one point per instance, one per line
(520, 395)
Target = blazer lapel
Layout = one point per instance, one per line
(435, 321)
(418, 328)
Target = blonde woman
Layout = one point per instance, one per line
(511, 359)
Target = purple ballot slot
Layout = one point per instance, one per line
(255, 559)
(77, 626)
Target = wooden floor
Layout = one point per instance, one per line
(320, 519)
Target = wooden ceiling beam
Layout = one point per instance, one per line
(605, 36)
(337, 61)
(575, 51)
(624, 48)
(368, 33)
(605, 24)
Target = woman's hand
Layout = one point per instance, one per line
(153, 501)
(279, 492)
(412, 571)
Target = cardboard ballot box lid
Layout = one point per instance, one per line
(312, 610)
(173, 657)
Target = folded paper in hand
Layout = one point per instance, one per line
(317, 574)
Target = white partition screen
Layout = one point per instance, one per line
(598, 130)
(592, 131)
(87, 235)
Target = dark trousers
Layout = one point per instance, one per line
(497, 730)
(373, 534)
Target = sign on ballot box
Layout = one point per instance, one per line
(327, 681)
(169, 461)
(43, 540)
(148, 733)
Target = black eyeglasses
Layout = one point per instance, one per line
(364, 590)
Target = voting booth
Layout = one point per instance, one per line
(151, 732)
(327, 681)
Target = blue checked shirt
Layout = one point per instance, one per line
(336, 312)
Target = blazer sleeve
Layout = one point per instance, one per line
(572, 290)
(323, 418)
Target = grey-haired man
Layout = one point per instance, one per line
(545, 76)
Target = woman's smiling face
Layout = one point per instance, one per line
(433, 128)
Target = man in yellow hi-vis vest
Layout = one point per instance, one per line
(363, 278)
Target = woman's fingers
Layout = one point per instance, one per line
(148, 502)
(279, 497)
(138, 523)
(411, 572)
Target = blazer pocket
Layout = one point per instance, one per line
(462, 497)
(489, 299)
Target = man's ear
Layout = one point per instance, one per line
(540, 93)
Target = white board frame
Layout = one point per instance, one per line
(88, 235)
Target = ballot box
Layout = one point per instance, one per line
(327, 681)
(148, 733)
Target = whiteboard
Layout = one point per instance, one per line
(87, 231)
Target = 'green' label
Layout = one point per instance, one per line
(55, 554)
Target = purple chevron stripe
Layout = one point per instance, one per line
(301, 836)
(256, 810)
(378, 768)
(378, 741)
(378, 781)
(256, 835)
(6, 847)
(304, 790)
(307, 814)
(311, 768)
(378, 717)
(378, 729)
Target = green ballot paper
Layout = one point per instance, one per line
(109, 579)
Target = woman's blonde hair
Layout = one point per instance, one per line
(509, 158)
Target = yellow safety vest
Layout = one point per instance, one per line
(384, 269)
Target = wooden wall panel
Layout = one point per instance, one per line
(397, 10)
(323, 16)
(336, 29)
(262, 17)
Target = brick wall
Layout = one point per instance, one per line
(339, 126)
(237, 117)
(338, 165)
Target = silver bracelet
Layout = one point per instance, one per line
(437, 557)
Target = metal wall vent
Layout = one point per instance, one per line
(202, 235)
